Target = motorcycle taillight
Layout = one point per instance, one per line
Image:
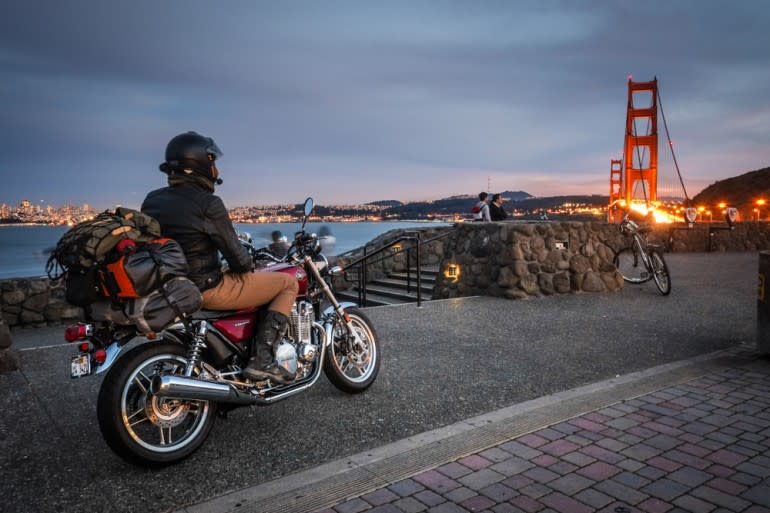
(79, 331)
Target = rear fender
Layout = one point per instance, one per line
(113, 351)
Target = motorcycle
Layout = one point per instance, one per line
(158, 401)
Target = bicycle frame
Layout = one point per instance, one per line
(655, 267)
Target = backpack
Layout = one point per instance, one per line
(88, 242)
(476, 209)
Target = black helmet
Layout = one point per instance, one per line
(194, 152)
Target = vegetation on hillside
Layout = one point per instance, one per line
(740, 192)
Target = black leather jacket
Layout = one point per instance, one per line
(198, 220)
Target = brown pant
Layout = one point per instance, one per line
(247, 290)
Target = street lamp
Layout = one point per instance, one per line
(700, 211)
(760, 204)
(709, 214)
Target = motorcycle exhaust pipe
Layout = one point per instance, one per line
(192, 389)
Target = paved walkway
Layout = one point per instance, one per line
(693, 436)
(590, 409)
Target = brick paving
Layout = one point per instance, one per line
(702, 446)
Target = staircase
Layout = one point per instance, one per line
(392, 290)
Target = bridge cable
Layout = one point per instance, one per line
(671, 145)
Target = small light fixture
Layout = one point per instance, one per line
(452, 272)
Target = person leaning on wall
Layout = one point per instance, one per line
(496, 210)
(481, 208)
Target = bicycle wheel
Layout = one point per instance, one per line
(630, 265)
(660, 272)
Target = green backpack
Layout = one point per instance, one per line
(90, 242)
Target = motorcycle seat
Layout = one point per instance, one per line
(204, 314)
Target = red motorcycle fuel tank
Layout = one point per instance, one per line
(296, 271)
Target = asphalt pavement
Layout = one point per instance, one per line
(443, 364)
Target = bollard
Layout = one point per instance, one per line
(763, 304)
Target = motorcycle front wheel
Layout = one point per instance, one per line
(141, 427)
(350, 367)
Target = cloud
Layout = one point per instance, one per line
(411, 98)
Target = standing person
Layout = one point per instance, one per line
(496, 210)
(481, 208)
(190, 213)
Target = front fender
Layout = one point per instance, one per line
(347, 304)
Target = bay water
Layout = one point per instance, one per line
(24, 249)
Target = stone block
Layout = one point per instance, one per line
(36, 302)
(9, 361)
(13, 297)
(5, 336)
(32, 317)
(593, 282)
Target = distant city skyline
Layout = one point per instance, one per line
(353, 102)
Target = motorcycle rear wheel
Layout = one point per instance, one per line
(353, 369)
(142, 428)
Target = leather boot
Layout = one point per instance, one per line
(262, 364)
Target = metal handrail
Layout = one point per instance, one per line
(366, 260)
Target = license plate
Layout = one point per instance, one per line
(81, 365)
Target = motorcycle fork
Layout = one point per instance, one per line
(338, 309)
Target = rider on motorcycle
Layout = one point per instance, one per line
(190, 213)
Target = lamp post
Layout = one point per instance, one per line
(700, 211)
(710, 217)
(760, 204)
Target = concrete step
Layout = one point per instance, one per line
(427, 286)
(393, 288)
(373, 299)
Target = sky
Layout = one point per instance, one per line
(357, 101)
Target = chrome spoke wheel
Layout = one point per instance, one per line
(352, 363)
(141, 427)
(155, 423)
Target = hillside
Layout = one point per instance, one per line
(514, 200)
(739, 191)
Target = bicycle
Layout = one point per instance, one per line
(642, 261)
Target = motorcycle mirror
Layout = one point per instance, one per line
(308, 210)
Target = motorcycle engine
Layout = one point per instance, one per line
(299, 349)
(301, 323)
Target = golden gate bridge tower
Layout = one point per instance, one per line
(634, 179)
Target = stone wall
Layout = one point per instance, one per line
(518, 260)
(35, 302)
(514, 259)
